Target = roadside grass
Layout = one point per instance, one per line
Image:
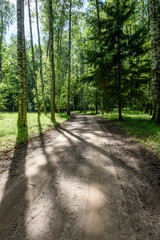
(137, 124)
(9, 130)
(140, 126)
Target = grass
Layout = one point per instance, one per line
(140, 126)
(137, 124)
(9, 131)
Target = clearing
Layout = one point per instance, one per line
(85, 180)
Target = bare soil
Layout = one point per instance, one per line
(86, 180)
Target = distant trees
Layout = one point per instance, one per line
(100, 56)
(7, 11)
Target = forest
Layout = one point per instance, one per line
(79, 119)
(99, 55)
(60, 57)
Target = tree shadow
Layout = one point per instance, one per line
(14, 192)
(74, 170)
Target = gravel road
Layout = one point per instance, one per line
(86, 180)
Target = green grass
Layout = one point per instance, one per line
(140, 126)
(8, 128)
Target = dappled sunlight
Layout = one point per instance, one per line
(37, 220)
(75, 186)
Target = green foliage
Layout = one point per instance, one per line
(9, 84)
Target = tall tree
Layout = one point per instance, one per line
(69, 56)
(59, 52)
(1, 35)
(33, 59)
(52, 61)
(21, 57)
(155, 53)
(41, 63)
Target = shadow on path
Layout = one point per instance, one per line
(17, 180)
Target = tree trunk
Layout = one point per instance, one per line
(102, 108)
(69, 57)
(21, 57)
(96, 102)
(59, 57)
(119, 70)
(33, 60)
(1, 38)
(155, 54)
(119, 91)
(52, 61)
(40, 57)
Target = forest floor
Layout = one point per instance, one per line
(85, 180)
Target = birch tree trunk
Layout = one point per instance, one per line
(52, 61)
(33, 59)
(1, 36)
(59, 57)
(41, 63)
(69, 56)
(21, 57)
(155, 55)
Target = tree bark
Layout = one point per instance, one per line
(69, 56)
(1, 37)
(155, 55)
(52, 61)
(41, 63)
(119, 69)
(21, 57)
(59, 57)
(33, 60)
(96, 102)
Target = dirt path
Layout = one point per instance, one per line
(86, 180)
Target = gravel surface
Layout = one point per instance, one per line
(86, 180)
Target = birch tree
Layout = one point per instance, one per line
(21, 57)
(33, 59)
(69, 56)
(52, 61)
(41, 63)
